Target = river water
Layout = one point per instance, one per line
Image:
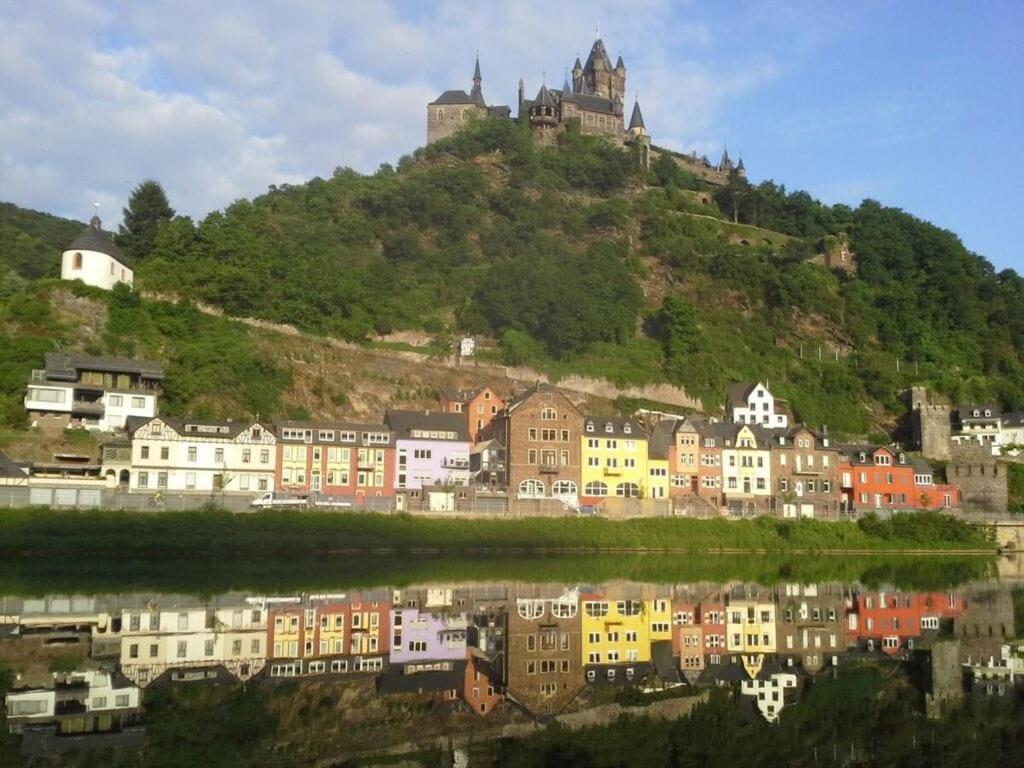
(518, 671)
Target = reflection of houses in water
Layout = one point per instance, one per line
(82, 710)
(893, 623)
(543, 669)
(769, 693)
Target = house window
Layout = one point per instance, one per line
(138, 402)
(192, 453)
(161, 480)
(190, 480)
(76, 261)
(218, 455)
(165, 453)
(548, 414)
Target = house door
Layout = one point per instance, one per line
(694, 484)
(878, 501)
(315, 482)
(746, 485)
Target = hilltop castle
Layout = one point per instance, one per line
(594, 101)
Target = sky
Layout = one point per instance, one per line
(915, 103)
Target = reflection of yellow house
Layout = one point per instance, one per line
(614, 459)
(659, 617)
(750, 631)
(616, 631)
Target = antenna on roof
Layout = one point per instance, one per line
(597, 31)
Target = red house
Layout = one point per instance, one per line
(353, 461)
(882, 478)
(478, 406)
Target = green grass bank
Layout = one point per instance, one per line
(174, 535)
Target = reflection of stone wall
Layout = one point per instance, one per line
(946, 678)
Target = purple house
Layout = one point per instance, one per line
(431, 449)
(424, 636)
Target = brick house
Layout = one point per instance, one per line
(541, 430)
(695, 459)
(478, 406)
(347, 459)
(805, 472)
(876, 478)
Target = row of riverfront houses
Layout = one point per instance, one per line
(537, 445)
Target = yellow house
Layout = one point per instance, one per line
(750, 629)
(616, 631)
(614, 459)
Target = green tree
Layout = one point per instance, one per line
(147, 209)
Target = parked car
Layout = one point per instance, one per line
(274, 499)
(588, 509)
(324, 500)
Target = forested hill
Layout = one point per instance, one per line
(32, 241)
(572, 259)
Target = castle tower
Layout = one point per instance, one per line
(726, 164)
(931, 425)
(636, 122)
(741, 170)
(598, 72)
(544, 115)
(637, 136)
(577, 77)
(619, 81)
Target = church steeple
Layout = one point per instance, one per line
(477, 93)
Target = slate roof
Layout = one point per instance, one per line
(966, 412)
(404, 422)
(637, 118)
(11, 468)
(453, 97)
(336, 427)
(93, 238)
(737, 394)
(921, 466)
(661, 438)
(526, 394)
(544, 98)
(664, 663)
(228, 429)
(853, 451)
(64, 366)
(597, 53)
(618, 427)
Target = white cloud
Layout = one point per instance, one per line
(219, 101)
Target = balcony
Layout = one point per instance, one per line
(451, 462)
(612, 471)
(87, 407)
(549, 469)
(798, 470)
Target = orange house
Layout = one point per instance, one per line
(880, 478)
(479, 406)
(352, 461)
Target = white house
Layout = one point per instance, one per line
(754, 404)
(173, 454)
(96, 393)
(93, 258)
(81, 696)
(191, 639)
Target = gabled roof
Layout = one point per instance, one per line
(93, 238)
(453, 97)
(737, 394)
(637, 118)
(405, 422)
(966, 412)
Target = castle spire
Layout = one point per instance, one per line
(477, 93)
(636, 122)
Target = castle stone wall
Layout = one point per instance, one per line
(447, 119)
(931, 425)
(981, 479)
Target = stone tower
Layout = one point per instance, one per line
(931, 425)
(599, 78)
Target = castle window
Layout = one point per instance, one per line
(440, 114)
(76, 261)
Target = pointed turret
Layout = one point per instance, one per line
(567, 92)
(477, 93)
(620, 65)
(636, 122)
(726, 164)
(740, 168)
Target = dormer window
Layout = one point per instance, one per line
(903, 459)
(977, 412)
(590, 426)
(609, 428)
(988, 412)
(863, 456)
(627, 429)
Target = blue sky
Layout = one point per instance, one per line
(916, 104)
